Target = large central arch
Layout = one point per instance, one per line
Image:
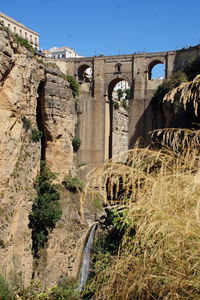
(113, 111)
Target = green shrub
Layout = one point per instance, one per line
(33, 291)
(18, 39)
(128, 94)
(73, 184)
(24, 43)
(193, 69)
(116, 105)
(26, 123)
(175, 80)
(46, 209)
(125, 104)
(66, 290)
(5, 291)
(76, 143)
(74, 85)
(120, 93)
(36, 135)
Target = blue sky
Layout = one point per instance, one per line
(110, 27)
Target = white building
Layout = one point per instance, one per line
(31, 36)
(63, 52)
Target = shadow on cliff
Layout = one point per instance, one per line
(165, 115)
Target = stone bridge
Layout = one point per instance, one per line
(96, 118)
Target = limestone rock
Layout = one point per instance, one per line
(30, 89)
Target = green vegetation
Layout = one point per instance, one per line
(23, 42)
(46, 209)
(116, 105)
(74, 85)
(26, 123)
(124, 96)
(125, 104)
(193, 69)
(128, 94)
(36, 135)
(76, 143)
(154, 215)
(175, 80)
(5, 291)
(120, 93)
(67, 290)
(18, 39)
(73, 184)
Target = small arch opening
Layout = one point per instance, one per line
(85, 73)
(118, 68)
(156, 70)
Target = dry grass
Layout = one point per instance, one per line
(185, 93)
(161, 191)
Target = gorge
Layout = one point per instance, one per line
(43, 119)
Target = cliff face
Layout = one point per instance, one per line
(31, 92)
(120, 130)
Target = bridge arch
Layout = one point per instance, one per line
(84, 72)
(154, 63)
(117, 116)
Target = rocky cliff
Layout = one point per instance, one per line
(34, 98)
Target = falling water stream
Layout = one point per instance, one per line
(84, 273)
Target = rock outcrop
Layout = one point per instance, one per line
(34, 96)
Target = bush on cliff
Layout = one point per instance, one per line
(168, 84)
(74, 85)
(24, 43)
(73, 184)
(193, 68)
(36, 135)
(76, 143)
(5, 291)
(46, 209)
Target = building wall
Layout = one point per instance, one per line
(63, 54)
(31, 36)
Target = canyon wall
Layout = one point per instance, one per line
(33, 97)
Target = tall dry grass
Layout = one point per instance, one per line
(161, 193)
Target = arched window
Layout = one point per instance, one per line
(118, 68)
(156, 70)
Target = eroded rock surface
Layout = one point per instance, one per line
(30, 90)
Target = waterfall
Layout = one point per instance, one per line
(84, 273)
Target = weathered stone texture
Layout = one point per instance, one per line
(120, 131)
(60, 121)
(20, 77)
